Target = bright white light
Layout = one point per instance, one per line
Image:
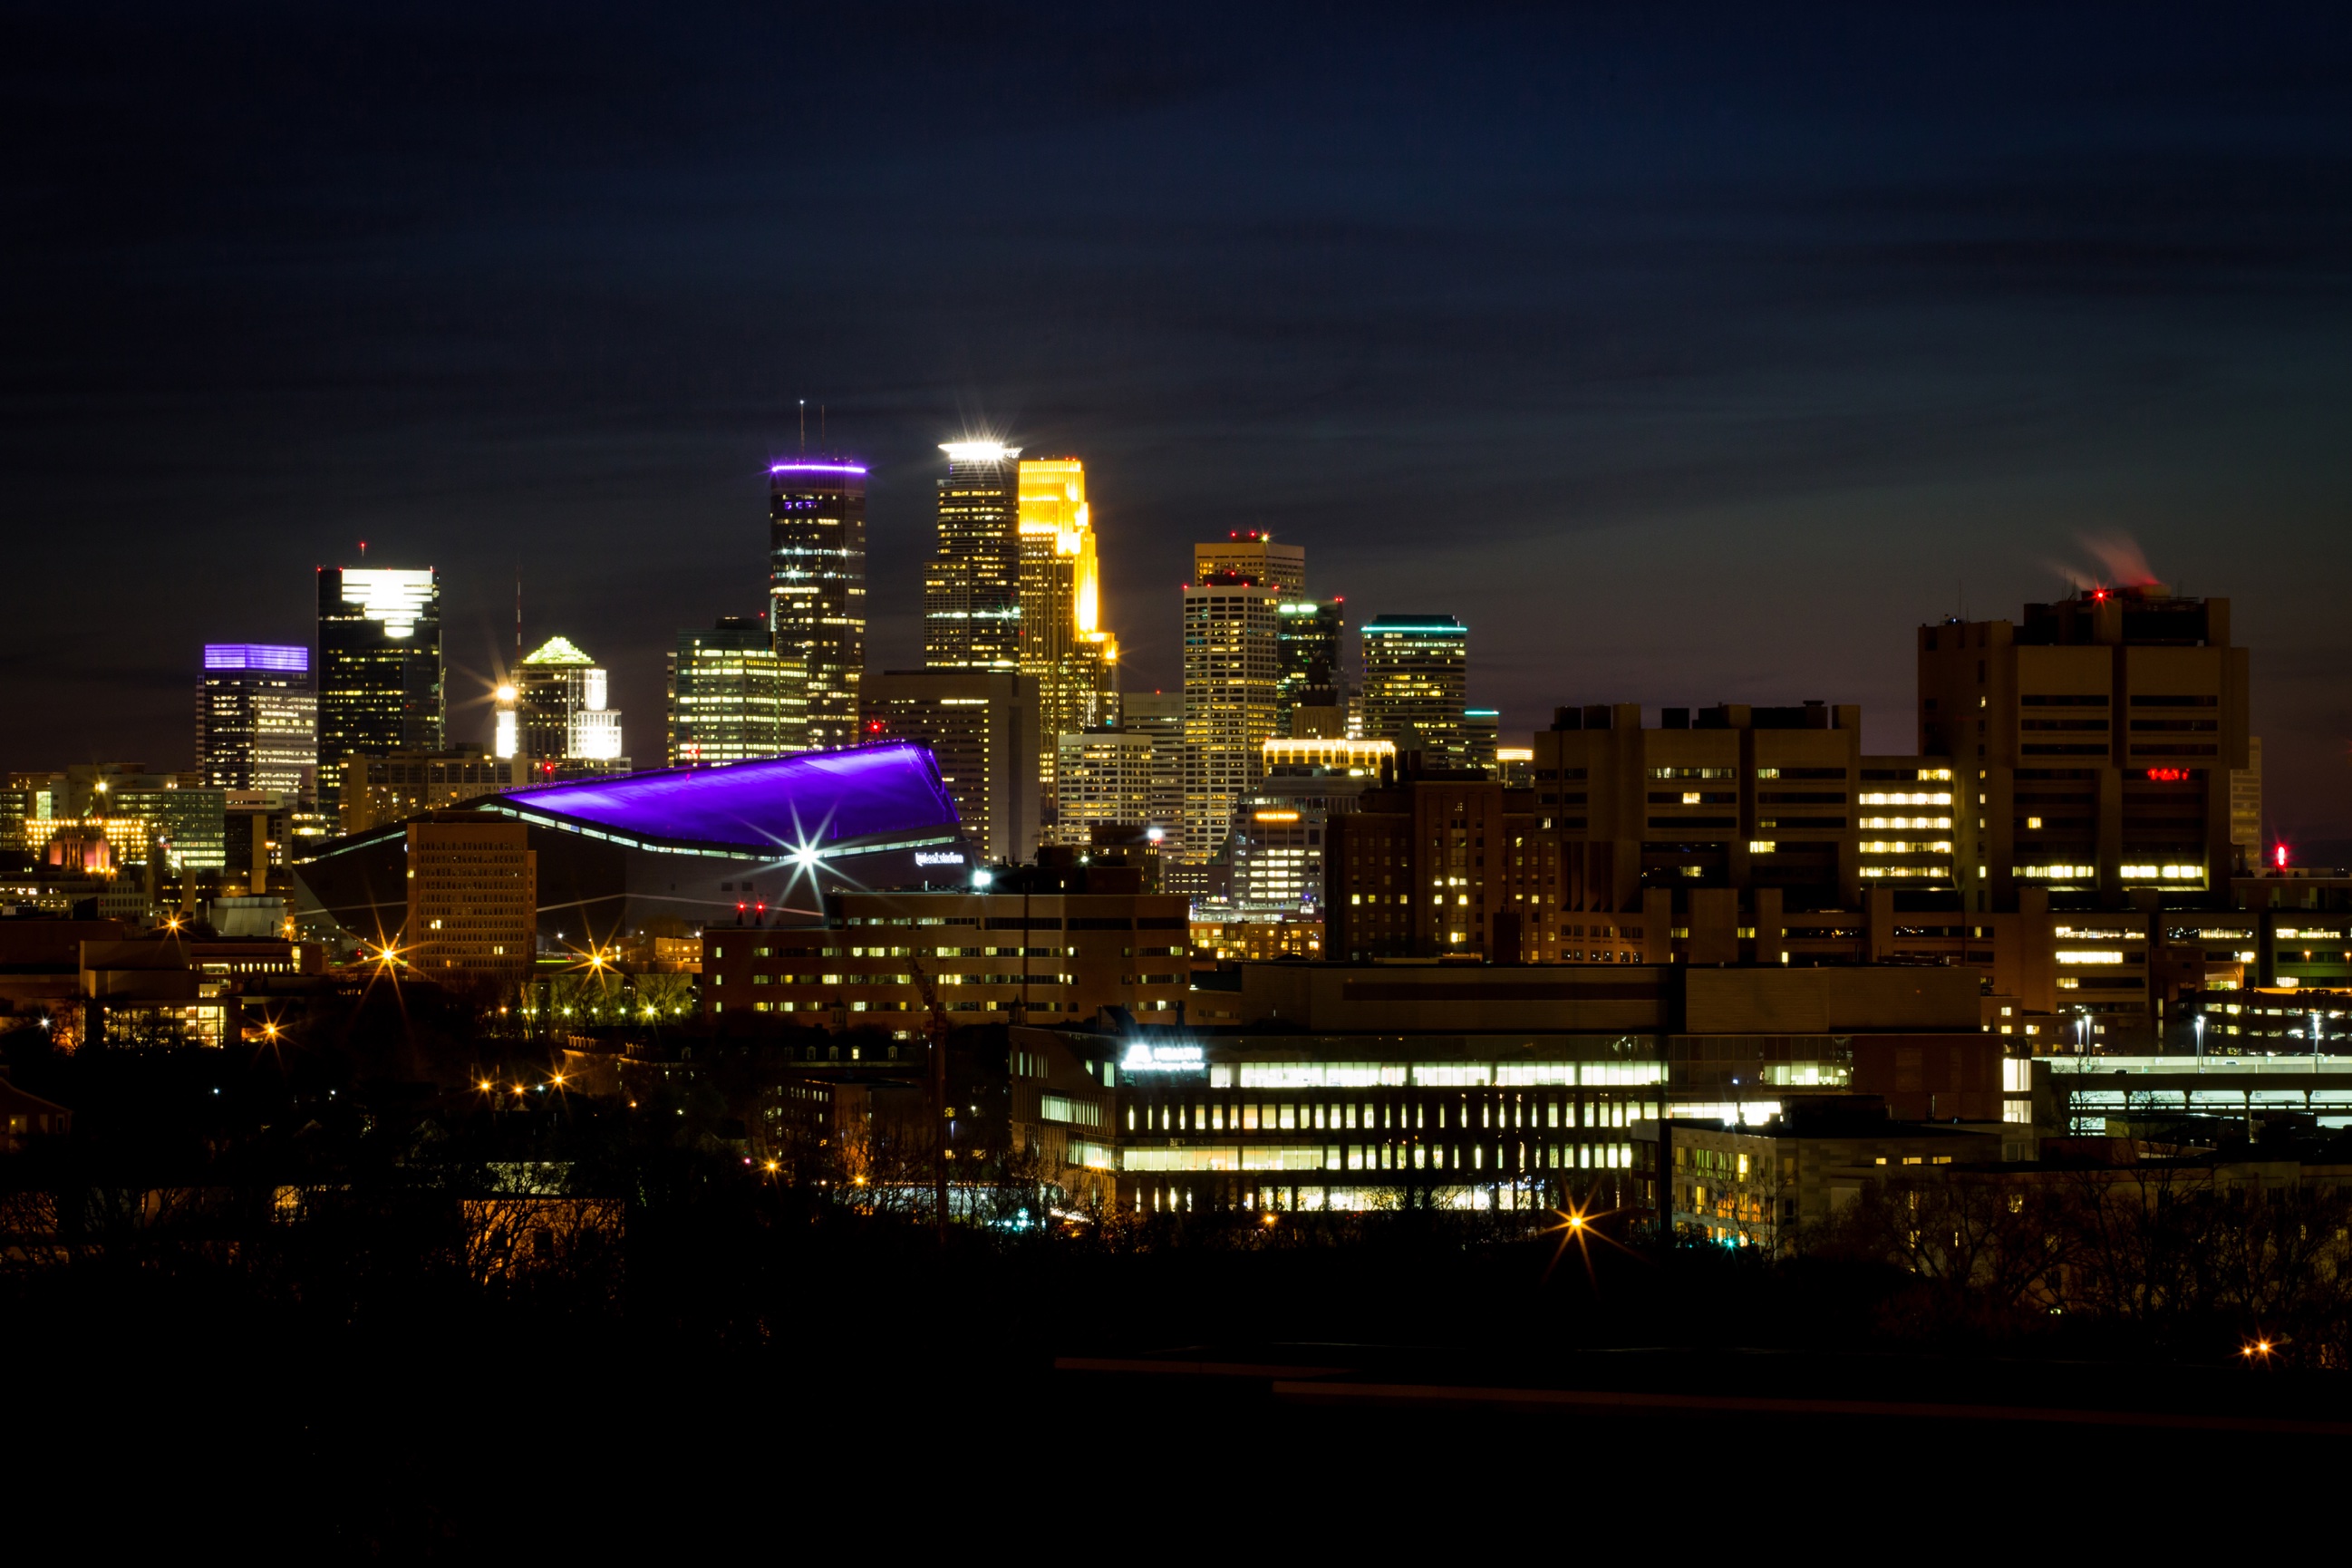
(979, 451)
(395, 598)
(982, 879)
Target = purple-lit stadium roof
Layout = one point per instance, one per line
(817, 798)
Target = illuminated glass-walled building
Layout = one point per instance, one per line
(1314, 676)
(816, 590)
(971, 594)
(1063, 644)
(732, 697)
(1231, 664)
(257, 719)
(1416, 686)
(379, 667)
(565, 708)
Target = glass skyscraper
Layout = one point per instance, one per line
(972, 596)
(257, 719)
(732, 697)
(1416, 686)
(379, 669)
(816, 590)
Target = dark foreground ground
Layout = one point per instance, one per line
(848, 1390)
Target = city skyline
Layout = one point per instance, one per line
(466, 710)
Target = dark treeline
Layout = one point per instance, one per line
(339, 1250)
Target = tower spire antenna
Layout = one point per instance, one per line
(803, 426)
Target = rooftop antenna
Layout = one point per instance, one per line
(364, 551)
(820, 424)
(803, 426)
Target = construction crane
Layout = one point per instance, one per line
(937, 1030)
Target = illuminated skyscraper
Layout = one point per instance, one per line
(1252, 555)
(972, 596)
(1313, 671)
(816, 575)
(257, 719)
(379, 669)
(565, 709)
(1416, 686)
(1075, 662)
(1233, 662)
(732, 697)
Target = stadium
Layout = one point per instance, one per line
(692, 845)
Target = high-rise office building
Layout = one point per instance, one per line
(2099, 735)
(1159, 715)
(981, 727)
(732, 697)
(1063, 644)
(1481, 737)
(1253, 556)
(971, 594)
(1313, 671)
(379, 669)
(1416, 686)
(187, 830)
(1106, 781)
(1232, 663)
(257, 719)
(563, 698)
(816, 591)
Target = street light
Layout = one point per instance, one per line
(2200, 1022)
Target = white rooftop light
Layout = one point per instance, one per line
(979, 451)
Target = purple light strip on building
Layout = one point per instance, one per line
(254, 656)
(814, 469)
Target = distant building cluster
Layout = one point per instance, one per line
(2078, 826)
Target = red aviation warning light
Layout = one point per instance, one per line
(2278, 856)
(2167, 776)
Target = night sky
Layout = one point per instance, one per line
(1687, 355)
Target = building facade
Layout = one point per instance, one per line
(1042, 946)
(1416, 686)
(1233, 665)
(732, 697)
(378, 666)
(473, 897)
(564, 706)
(1106, 780)
(257, 719)
(982, 726)
(816, 594)
(2101, 735)
(1252, 555)
(1063, 644)
(376, 791)
(971, 594)
(1314, 667)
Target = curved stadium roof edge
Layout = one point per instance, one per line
(779, 802)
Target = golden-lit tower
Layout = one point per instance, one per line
(1061, 641)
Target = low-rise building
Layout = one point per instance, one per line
(1763, 1185)
(1044, 944)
